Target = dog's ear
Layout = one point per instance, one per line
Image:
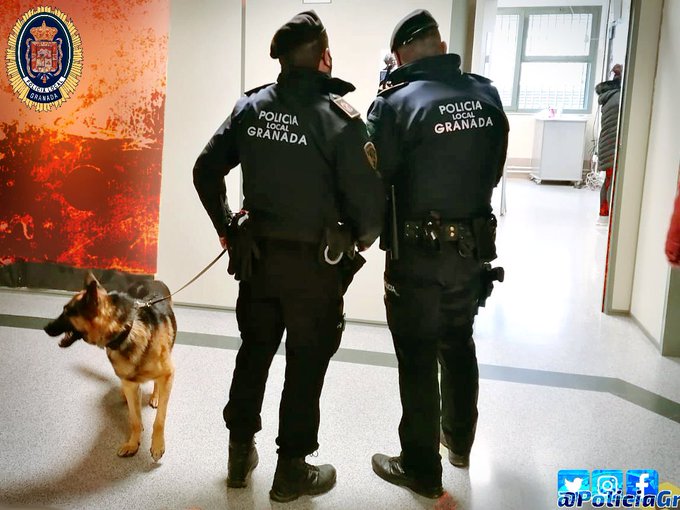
(91, 290)
(89, 279)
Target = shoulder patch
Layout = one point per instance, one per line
(257, 89)
(392, 88)
(344, 106)
(371, 155)
(479, 77)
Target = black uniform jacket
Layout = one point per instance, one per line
(441, 138)
(304, 160)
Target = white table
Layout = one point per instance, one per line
(558, 149)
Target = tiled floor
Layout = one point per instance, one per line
(562, 386)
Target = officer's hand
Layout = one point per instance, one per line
(223, 243)
(362, 247)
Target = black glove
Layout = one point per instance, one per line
(241, 246)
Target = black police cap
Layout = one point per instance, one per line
(408, 28)
(303, 28)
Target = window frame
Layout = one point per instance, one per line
(520, 55)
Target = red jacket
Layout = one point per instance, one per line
(673, 239)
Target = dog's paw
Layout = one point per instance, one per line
(153, 400)
(128, 449)
(157, 449)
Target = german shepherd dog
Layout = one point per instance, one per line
(138, 339)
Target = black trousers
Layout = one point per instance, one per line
(431, 301)
(292, 291)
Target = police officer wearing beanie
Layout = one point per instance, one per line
(307, 167)
(441, 138)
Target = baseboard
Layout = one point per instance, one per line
(528, 164)
(649, 336)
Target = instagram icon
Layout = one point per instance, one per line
(607, 481)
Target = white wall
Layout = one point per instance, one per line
(621, 14)
(485, 21)
(521, 143)
(204, 62)
(663, 155)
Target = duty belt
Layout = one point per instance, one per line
(431, 232)
(447, 231)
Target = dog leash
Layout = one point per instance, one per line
(144, 304)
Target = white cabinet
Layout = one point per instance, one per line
(558, 149)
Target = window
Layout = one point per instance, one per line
(541, 57)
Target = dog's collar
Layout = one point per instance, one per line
(118, 340)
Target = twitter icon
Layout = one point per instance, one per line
(573, 480)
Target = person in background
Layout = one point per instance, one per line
(441, 136)
(309, 186)
(390, 63)
(609, 96)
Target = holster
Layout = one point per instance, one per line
(337, 244)
(349, 266)
(489, 275)
(241, 246)
(484, 230)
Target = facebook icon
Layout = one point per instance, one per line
(642, 481)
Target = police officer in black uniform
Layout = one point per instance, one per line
(441, 139)
(308, 167)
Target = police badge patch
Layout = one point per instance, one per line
(344, 106)
(371, 155)
(44, 58)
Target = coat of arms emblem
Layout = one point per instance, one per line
(44, 58)
(44, 55)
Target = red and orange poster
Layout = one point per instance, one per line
(82, 97)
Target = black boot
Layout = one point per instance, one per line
(294, 478)
(242, 460)
(459, 460)
(391, 470)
